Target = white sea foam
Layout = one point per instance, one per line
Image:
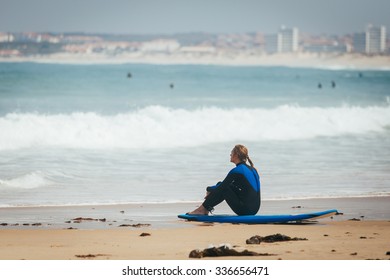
(32, 180)
(162, 127)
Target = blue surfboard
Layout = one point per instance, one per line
(258, 219)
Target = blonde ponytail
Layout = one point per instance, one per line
(242, 153)
(250, 162)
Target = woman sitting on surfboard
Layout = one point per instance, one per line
(240, 189)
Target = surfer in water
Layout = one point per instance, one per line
(240, 189)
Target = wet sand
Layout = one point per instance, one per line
(114, 232)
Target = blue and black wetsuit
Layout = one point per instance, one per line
(240, 189)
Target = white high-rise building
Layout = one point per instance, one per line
(373, 41)
(376, 39)
(286, 40)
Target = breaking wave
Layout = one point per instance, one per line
(31, 180)
(163, 127)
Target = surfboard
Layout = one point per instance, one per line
(258, 219)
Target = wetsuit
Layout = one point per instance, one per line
(240, 189)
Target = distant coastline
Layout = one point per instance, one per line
(305, 60)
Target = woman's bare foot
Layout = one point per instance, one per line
(199, 211)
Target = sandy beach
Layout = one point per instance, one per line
(228, 58)
(109, 233)
(328, 240)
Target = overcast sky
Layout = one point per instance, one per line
(180, 16)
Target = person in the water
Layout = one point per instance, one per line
(240, 189)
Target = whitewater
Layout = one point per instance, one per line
(163, 127)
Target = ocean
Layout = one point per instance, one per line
(101, 134)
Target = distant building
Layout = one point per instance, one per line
(160, 45)
(271, 43)
(373, 41)
(286, 40)
(359, 42)
(6, 37)
(328, 48)
(376, 39)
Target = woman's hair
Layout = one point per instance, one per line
(242, 153)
